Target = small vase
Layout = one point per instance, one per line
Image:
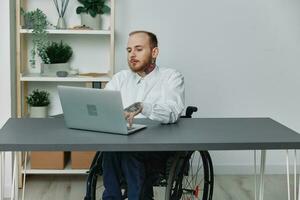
(61, 24)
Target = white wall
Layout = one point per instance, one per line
(5, 94)
(240, 58)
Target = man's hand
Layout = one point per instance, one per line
(131, 111)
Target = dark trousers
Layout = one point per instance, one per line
(132, 166)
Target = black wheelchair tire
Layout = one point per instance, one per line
(174, 188)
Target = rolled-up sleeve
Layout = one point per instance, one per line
(171, 104)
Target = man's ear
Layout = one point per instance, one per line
(155, 52)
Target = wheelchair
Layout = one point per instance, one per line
(185, 176)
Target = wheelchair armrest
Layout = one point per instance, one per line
(189, 111)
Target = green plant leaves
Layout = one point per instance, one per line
(38, 98)
(38, 22)
(93, 7)
(81, 9)
(106, 9)
(93, 13)
(59, 52)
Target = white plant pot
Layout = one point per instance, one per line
(92, 22)
(51, 69)
(38, 111)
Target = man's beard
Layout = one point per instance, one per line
(142, 68)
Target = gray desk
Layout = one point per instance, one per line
(187, 134)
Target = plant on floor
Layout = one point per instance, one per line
(58, 52)
(38, 98)
(93, 7)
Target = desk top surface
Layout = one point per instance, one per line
(50, 134)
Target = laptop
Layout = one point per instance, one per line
(95, 110)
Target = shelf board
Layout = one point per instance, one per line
(67, 170)
(40, 78)
(71, 31)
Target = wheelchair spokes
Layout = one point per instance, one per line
(99, 188)
(189, 178)
(193, 181)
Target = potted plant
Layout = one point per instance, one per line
(59, 54)
(37, 21)
(27, 16)
(91, 11)
(38, 101)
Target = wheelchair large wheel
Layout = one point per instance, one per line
(190, 177)
(94, 187)
(97, 187)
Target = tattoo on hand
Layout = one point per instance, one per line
(134, 107)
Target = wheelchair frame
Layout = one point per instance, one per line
(172, 180)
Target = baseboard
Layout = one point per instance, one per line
(7, 190)
(249, 170)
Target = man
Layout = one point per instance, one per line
(147, 91)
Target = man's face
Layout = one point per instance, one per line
(139, 52)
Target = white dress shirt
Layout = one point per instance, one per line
(161, 92)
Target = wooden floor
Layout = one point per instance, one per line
(69, 187)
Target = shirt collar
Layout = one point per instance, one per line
(149, 76)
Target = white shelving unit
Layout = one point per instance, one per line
(36, 77)
(82, 41)
(71, 31)
(67, 170)
(98, 43)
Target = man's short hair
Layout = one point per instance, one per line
(152, 37)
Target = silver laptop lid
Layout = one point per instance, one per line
(92, 109)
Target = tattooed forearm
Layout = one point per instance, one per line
(134, 107)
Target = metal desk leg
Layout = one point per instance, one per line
(15, 179)
(13, 185)
(288, 175)
(295, 174)
(17, 155)
(262, 172)
(24, 176)
(2, 178)
(295, 163)
(255, 176)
